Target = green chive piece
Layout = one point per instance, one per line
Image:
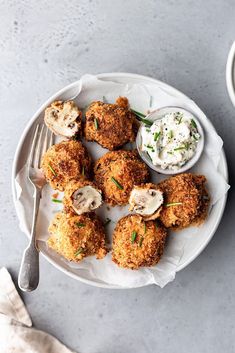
(187, 144)
(179, 148)
(195, 137)
(149, 156)
(141, 241)
(174, 204)
(104, 99)
(169, 152)
(56, 200)
(180, 120)
(145, 228)
(117, 183)
(170, 134)
(80, 225)
(141, 117)
(133, 236)
(108, 220)
(149, 146)
(193, 123)
(156, 225)
(78, 252)
(138, 113)
(146, 121)
(157, 135)
(83, 170)
(96, 124)
(52, 170)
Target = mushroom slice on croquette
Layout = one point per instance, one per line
(76, 237)
(63, 118)
(146, 200)
(186, 200)
(81, 197)
(66, 161)
(117, 172)
(111, 125)
(137, 243)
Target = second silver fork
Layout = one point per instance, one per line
(28, 278)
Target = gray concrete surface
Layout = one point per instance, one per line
(45, 45)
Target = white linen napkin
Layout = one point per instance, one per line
(16, 331)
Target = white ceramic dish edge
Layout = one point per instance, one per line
(230, 73)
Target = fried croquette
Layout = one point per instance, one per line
(64, 162)
(186, 201)
(137, 243)
(63, 118)
(146, 200)
(76, 237)
(111, 125)
(81, 197)
(117, 172)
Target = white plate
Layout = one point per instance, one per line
(230, 73)
(196, 244)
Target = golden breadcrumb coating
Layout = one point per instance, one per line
(75, 187)
(63, 118)
(186, 200)
(64, 162)
(117, 172)
(111, 125)
(137, 243)
(75, 237)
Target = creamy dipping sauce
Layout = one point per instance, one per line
(171, 141)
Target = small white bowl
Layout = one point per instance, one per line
(157, 115)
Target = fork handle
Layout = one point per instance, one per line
(28, 278)
(29, 270)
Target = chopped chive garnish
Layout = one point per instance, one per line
(174, 204)
(169, 152)
(80, 225)
(145, 228)
(52, 170)
(117, 183)
(83, 170)
(193, 123)
(170, 134)
(141, 241)
(156, 225)
(187, 144)
(56, 200)
(180, 119)
(150, 101)
(157, 135)
(104, 99)
(78, 252)
(96, 124)
(146, 121)
(138, 113)
(141, 117)
(108, 220)
(133, 236)
(195, 137)
(149, 156)
(179, 148)
(149, 146)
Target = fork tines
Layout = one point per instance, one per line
(42, 140)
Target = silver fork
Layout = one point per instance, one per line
(29, 270)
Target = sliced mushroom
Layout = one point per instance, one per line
(86, 199)
(63, 118)
(146, 202)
